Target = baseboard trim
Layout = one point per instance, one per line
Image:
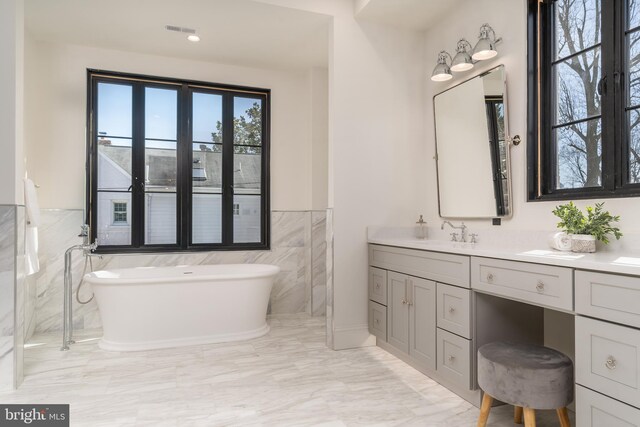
(354, 336)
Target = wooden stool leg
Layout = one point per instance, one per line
(517, 414)
(529, 417)
(484, 410)
(564, 417)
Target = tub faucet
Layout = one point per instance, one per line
(462, 227)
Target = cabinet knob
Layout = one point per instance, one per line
(490, 278)
(451, 358)
(377, 321)
(377, 285)
(409, 303)
(540, 286)
(611, 363)
(451, 309)
(404, 301)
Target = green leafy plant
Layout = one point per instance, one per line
(597, 222)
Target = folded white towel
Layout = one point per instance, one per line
(31, 203)
(31, 251)
(560, 241)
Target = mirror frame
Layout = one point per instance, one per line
(508, 142)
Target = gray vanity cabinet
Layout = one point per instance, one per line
(411, 317)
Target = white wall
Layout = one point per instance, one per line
(56, 117)
(508, 18)
(376, 147)
(319, 138)
(11, 101)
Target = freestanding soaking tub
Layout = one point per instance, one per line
(158, 307)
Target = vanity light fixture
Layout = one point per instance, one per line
(462, 61)
(442, 71)
(486, 46)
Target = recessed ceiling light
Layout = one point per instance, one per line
(193, 38)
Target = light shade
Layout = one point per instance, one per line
(486, 46)
(442, 72)
(193, 38)
(462, 61)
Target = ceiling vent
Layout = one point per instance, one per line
(180, 29)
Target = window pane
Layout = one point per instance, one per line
(207, 168)
(161, 166)
(579, 151)
(247, 169)
(114, 164)
(634, 146)
(161, 113)
(247, 121)
(114, 109)
(160, 218)
(576, 86)
(207, 218)
(246, 225)
(577, 26)
(634, 13)
(207, 117)
(110, 229)
(634, 68)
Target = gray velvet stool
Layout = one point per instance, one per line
(526, 376)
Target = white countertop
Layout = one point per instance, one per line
(516, 246)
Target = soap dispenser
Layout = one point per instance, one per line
(421, 228)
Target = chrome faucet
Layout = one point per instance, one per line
(67, 321)
(462, 227)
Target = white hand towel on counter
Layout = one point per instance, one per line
(31, 203)
(33, 221)
(560, 241)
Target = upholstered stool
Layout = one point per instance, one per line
(526, 376)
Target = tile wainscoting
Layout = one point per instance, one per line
(298, 247)
(12, 292)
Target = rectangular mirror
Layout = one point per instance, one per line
(472, 149)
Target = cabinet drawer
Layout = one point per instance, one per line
(378, 320)
(454, 309)
(608, 359)
(538, 284)
(378, 285)
(439, 267)
(596, 410)
(608, 296)
(454, 358)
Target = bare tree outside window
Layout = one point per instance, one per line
(633, 103)
(577, 70)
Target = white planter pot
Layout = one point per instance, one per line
(583, 243)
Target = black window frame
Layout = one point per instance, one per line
(541, 159)
(185, 89)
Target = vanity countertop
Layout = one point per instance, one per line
(533, 249)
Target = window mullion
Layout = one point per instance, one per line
(137, 167)
(611, 175)
(227, 169)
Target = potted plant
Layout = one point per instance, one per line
(586, 229)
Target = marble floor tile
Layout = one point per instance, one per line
(286, 378)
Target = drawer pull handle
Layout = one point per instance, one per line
(611, 363)
(451, 358)
(451, 309)
(540, 286)
(490, 278)
(404, 301)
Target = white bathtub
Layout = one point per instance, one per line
(158, 307)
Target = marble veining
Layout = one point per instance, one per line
(286, 378)
(318, 263)
(329, 277)
(292, 249)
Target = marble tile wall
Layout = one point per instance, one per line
(294, 248)
(12, 295)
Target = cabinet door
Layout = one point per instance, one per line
(422, 321)
(397, 311)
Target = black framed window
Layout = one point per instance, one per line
(584, 99)
(176, 165)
